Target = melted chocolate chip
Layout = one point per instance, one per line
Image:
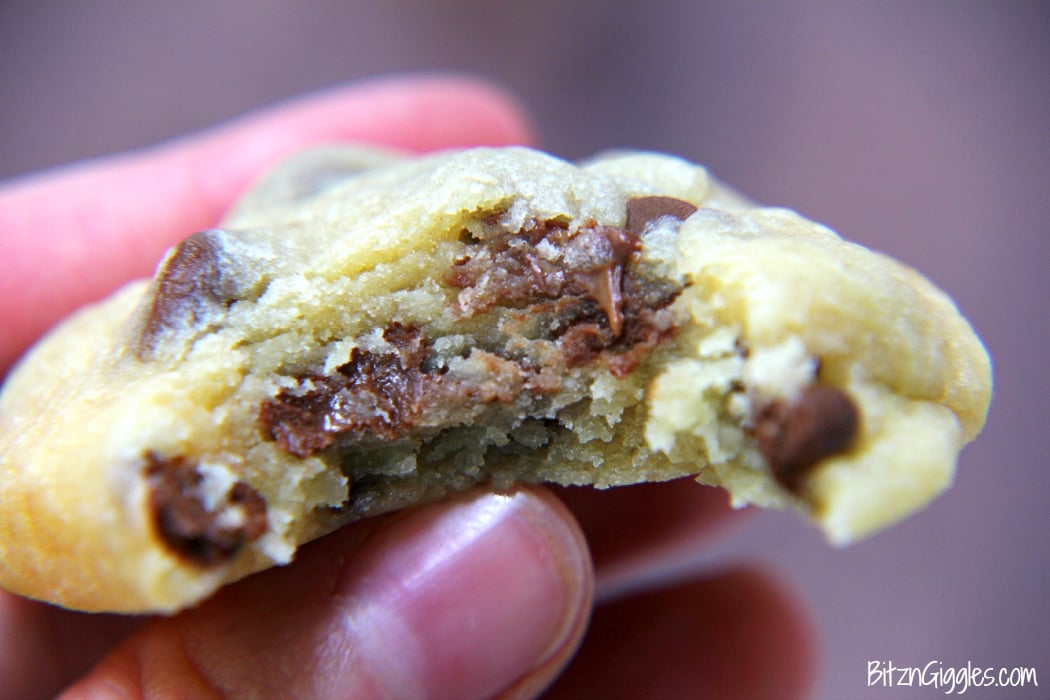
(547, 262)
(601, 306)
(380, 398)
(604, 284)
(823, 421)
(187, 527)
(298, 421)
(642, 211)
(190, 289)
(378, 395)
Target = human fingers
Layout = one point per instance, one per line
(737, 635)
(72, 235)
(482, 595)
(43, 648)
(639, 526)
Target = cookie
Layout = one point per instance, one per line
(368, 331)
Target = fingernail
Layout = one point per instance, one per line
(461, 599)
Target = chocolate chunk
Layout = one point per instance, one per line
(823, 421)
(191, 289)
(187, 527)
(642, 211)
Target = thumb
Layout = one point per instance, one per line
(483, 595)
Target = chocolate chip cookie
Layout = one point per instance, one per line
(368, 331)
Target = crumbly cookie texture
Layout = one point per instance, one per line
(368, 331)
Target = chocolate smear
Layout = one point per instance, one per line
(821, 422)
(187, 527)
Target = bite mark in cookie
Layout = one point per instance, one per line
(204, 536)
(594, 305)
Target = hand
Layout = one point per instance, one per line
(486, 594)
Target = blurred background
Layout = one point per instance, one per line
(921, 129)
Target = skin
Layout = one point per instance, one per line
(486, 595)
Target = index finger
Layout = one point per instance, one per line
(70, 236)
